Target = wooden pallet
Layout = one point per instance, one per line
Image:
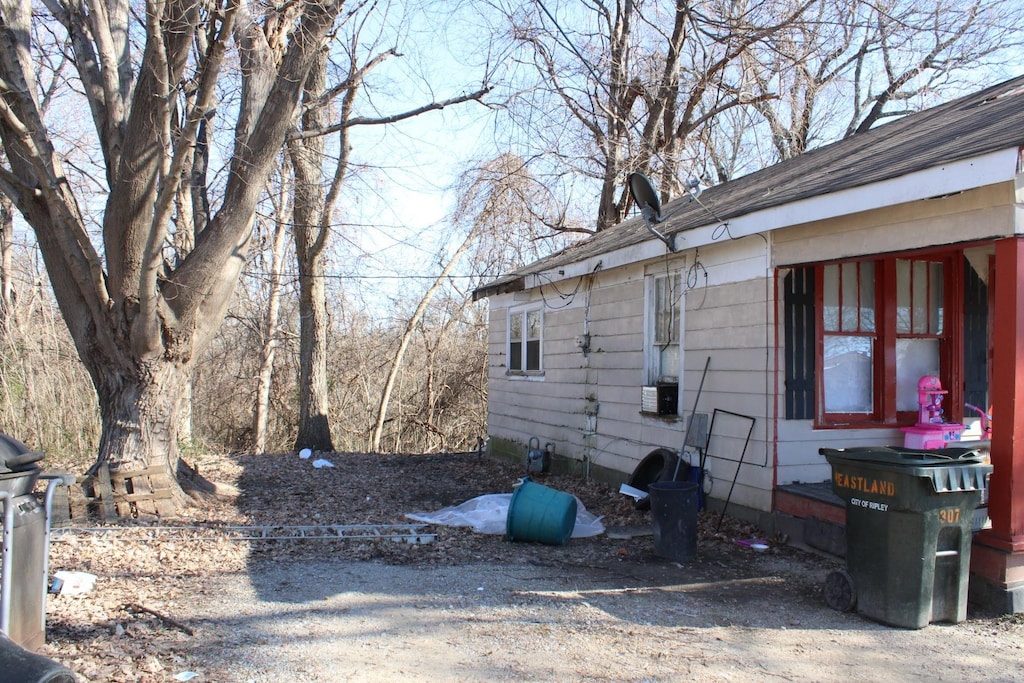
(109, 496)
(69, 505)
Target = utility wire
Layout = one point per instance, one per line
(341, 276)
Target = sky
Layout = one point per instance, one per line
(402, 199)
(405, 203)
(395, 209)
(395, 212)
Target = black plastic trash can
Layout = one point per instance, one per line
(908, 532)
(674, 516)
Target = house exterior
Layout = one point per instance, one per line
(788, 310)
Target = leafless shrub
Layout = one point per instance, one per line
(46, 398)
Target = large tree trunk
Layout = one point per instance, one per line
(314, 425)
(140, 413)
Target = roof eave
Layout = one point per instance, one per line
(517, 284)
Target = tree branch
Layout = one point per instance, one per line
(383, 120)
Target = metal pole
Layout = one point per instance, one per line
(51, 488)
(689, 423)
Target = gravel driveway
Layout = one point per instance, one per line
(468, 607)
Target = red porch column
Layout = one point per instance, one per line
(997, 556)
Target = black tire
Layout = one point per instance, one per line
(658, 465)
(840, 591)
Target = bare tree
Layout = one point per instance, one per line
(850, 64)
(638, 80)
(928, 51)
(138, 321)
(698, 88)
(6, 263)
(319, 179)
(495, 206)
(311, 230)
(271, 334)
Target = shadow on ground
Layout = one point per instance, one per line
(616, 573)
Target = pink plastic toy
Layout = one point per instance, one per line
(931, 431)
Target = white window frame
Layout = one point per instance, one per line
(652, 360)
(524, 312)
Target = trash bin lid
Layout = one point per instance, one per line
(907, 457)
(16, 456)
(948, 469)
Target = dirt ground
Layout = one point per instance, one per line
(191, 603)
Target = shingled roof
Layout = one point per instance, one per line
(987, 121)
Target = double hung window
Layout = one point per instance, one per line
(849, 338)
(663, 353)
(663, 350)
(525, 337)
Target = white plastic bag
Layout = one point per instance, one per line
(75, 582)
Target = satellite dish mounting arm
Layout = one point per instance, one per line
(651, 218)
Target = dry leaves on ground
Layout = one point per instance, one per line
(128, 628)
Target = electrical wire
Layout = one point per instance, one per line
(562, 295)
(566, 298)
(722, 229)
(294, 276)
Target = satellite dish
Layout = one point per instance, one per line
(650, 206)
(645, 197)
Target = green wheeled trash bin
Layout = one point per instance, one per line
(24, 558)
(908, 531)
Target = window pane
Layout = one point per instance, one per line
(668, 359)
(914, 359)
(515, 327)
(919, 297)
(515, 356)
(850, 288)
(937, 298)
(533, 354)
(867, 297)
(919, 292)
(676, 293)
(849, 297)
(830, 294)
(848, 374)
(666, 309)
(661, 312)
(903, 297)
(533, 325)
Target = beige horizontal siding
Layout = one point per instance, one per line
(729, 317)
(725, 321)
(977, 214)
